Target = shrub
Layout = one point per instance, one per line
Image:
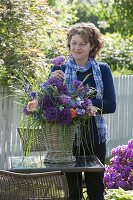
(31, 33)
(118, 194)
(117, 52)
(120, 171)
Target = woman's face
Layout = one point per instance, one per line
(79, 49)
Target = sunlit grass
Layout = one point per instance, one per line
(122, 72)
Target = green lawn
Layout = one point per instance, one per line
(122, 72)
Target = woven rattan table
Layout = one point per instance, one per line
(36, 164)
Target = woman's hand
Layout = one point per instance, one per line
(58, 74)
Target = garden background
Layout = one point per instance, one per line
(33, 32)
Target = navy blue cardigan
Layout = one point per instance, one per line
(108, 103)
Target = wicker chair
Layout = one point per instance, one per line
(34, 186)
(35, 143)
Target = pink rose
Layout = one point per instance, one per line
(32, 106)
(92, 110)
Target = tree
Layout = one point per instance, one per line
(66, 11)
(124, 16)
(85, 12)
(31, 33)
(117, 14)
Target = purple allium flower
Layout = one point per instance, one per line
(50, 114)
(84, 91)
(33, 95)
(64, 99)
(61, 86)
(58, 61)
(46, 101)
(77, 84)
(86, 103)
(64, 117)
(52, 80)
(25, 111)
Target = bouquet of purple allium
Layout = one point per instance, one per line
(120, 171)
(53, 103)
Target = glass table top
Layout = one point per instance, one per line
(37, 163)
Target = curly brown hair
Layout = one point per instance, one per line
(89, 33)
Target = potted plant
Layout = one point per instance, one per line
(119, 173)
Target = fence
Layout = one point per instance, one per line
(120, 123)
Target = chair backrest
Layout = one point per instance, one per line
(34, 141)
(33, 186)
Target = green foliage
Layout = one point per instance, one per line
(51, 2)
(85, 12)
(117, 14)
(117, 52)
(76, 11)
(115, 194)
(118, 194)
(31, 34)
(124, 17)
(66, 11)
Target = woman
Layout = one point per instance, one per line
(84, 43)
